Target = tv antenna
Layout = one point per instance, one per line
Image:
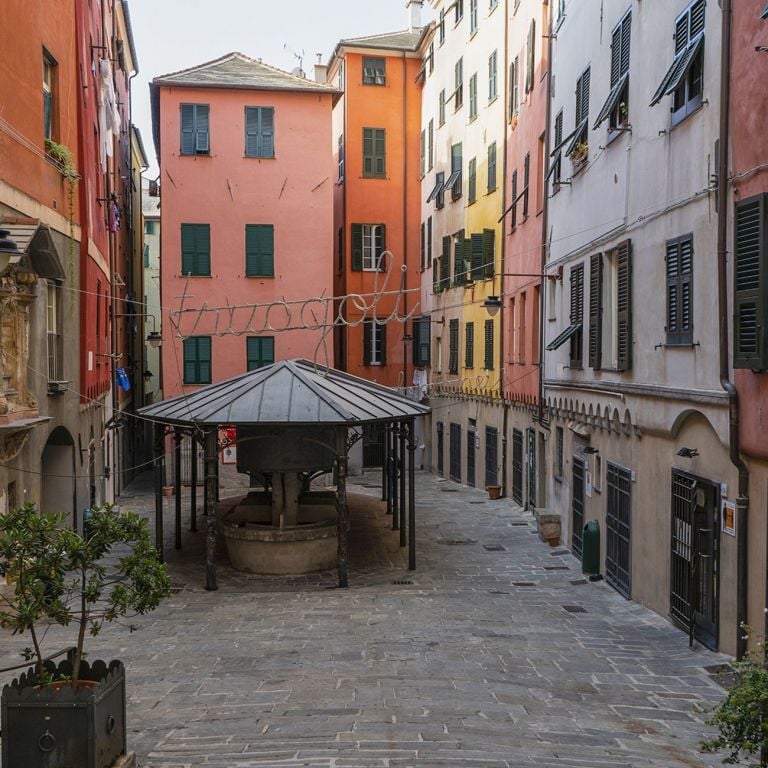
(299, 57)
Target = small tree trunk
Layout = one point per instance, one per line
(80, 634)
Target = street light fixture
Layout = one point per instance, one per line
(8, 249)
(493, 304)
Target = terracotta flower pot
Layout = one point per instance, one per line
(167, 490)
(494, 491)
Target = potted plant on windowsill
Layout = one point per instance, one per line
(72, 713)
(579, 154)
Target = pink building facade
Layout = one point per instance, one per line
(247, 188)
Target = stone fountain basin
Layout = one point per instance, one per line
(256, 546)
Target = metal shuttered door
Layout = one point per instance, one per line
(455, 449)
(577, 506)
(618, 528)
(517, 466)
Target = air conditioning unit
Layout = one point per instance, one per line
(154, 189)
(57, 387)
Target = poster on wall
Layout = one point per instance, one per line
(729, 518)
(228, 443)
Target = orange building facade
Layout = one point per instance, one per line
(376, 140)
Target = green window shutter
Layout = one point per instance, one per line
(616, 56)
(492, 167)
(252, 131)
(196, 249)
(422, 246)
(357, 247)
(421, 342)
(383, 337)
(259, 250)
(750, 308)
(472, 190)
(367, 341)
(476, 255)
(367, 151)
(595, 310)
(197, 360)
(202, 135)
(459, 270)
(374, 153)
(381, 246)
(531, 57)
(624, 306)
(267, 132)
(488, 362)
(679, 260)
(187, 129)
(453, 346)
(489, 252)
(513, 215)
(526, 182)
(577, 314)
(423, 154)
(260, 351)
(437, 285)
(445, 263)
(469, 345)
(380, 150)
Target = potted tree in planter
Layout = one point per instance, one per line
(72, 713)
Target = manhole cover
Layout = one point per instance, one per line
(521, 523)
(494, 548)
(477, 502)
(523, 583)
(556, 568)
(575, 609)
(576, 582)
(403, 582)
(559, 552)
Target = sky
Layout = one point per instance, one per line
(176, 34)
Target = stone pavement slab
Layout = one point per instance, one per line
(494, 653)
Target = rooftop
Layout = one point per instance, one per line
(404, 40)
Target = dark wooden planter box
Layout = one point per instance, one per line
(66, 727)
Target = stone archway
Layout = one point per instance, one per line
(58, 487)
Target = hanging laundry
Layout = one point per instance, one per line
(122, 379)
(109, 116)
(114, 215)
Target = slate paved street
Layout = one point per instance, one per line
(498, 654)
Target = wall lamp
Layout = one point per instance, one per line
(687, 453)
(493, 304)
(590, 450)
(8, 249)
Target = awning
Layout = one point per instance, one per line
(35, 240)
(612, 100)
(679, 69)
(436, 191)
(563, 337)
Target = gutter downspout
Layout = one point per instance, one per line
(505, 163)
(742, 500)
(405, 219)
(545, 219)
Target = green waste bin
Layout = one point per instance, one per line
(590, 548)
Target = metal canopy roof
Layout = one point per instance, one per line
(292, 393)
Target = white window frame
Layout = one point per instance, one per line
(375, 352)
(369, 247)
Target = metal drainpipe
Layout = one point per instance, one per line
(502, 255)
(405, 220)
(742, 500)
(545, 218)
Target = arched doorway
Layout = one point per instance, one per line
(58, 487)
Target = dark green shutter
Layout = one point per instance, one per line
(531, 60)
(380, 150)
(492, 167)
(259, 250)
(260, 351)
(488, 362)
(422, 246)
(459, 255)
(469, 345)
(267, 132)
(445, 263)
(367, 341)
(596, 311)
(577, 314)
(203, 241)
(380, 239)
(196, 249)
(383, 336)
(624, 306)
(749, 301)
(252, 131)
(453, 346)
(187, 129)
(202, 136)
(489, 252)
(367, 151)
(188, 249)
(680, 291)
(437, 285)
(197, 360)
(477, 254)
(421, 342)
(357, 247)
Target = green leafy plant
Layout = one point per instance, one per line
(110, 573)
(61, 156)
(580, 152)
(742, 718)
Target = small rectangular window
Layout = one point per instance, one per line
(441, 27)
(196, 249)
(368, 246)
(423, 154)
(473, 97)
(374, 70)
(578, 148)
(259, 132)
(472, 190)
(441, 108)
(374, 153)
(260, 351)
(374, 342)
(197, 360)
(616, 107)
(195, 135)
(530, 61)
(422, 350)
(453, 346)
(49, 98)
(458, 83)
(514, 88)
(259, 250)
(472, 16)
(455, 181)
(431, 145)
(53, 322)
(459, 10)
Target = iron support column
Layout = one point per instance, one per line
(342, 522)
(211, 456)
(393, 478)
(412, 495)
(177, 484)
(158, 459)
(403, 430)
(193, 485)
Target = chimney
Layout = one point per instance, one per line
(321, 70)
(414, 14)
